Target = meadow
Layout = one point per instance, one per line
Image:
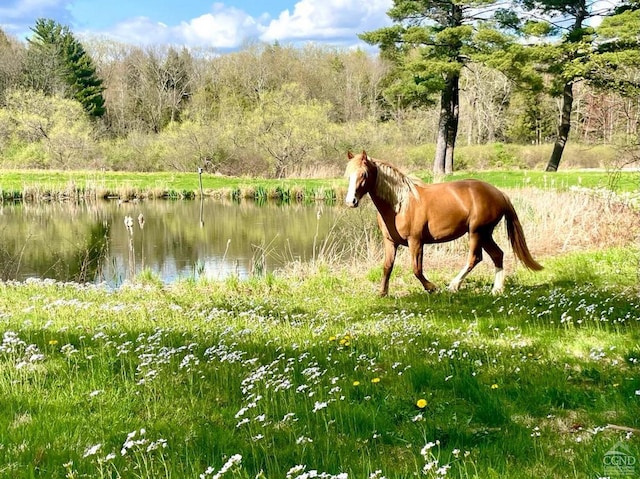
(51, 184)
(307, 373)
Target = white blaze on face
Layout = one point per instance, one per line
(350, 199)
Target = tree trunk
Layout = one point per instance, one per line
(563, 128)
(447, 126)
(453, 117)
(441, 142)
(581, 14)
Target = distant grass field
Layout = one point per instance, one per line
(621, 181)
(31, 184)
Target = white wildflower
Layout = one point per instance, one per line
(319, 405)
(92, 450)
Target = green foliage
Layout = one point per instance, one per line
(238, 114)
(290, 128)
(70, 63)
(424, 53)
(53, 125)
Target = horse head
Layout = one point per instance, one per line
(361, 173)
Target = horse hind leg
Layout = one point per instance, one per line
(475, 256)
(497, 256)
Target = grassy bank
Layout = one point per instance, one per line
(44, 185)
(267, 378)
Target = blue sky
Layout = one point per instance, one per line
(222, 25)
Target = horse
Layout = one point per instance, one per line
(412, 213)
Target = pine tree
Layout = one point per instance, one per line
(429, 43)
(572, 51)
(64, 61)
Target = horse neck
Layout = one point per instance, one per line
(392, 188)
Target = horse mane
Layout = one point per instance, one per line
(394, 186)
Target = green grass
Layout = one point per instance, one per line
(318, 372)
(627, 181)
(42, 184)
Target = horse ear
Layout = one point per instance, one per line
(364, 154)
(349, 154)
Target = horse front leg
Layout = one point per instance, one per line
(416, 251)
(390, 250)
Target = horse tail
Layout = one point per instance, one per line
(517, 239)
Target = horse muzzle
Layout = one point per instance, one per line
(351, 202)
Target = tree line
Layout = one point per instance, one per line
(448, 71)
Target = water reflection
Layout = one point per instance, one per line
(174, 239)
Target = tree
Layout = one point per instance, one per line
(178, 73)
(11, 63)
(56, 127)
(290, 128)
(429, 44)
(58, 63)
(573, 51)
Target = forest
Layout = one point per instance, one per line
(507, 91)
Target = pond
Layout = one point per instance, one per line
(91, 242)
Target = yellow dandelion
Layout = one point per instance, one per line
(356, 383)
(332, 338)
(53, 342)
(421, 403)
(375, 380)
(494, 386)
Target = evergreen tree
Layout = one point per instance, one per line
(65, 66)
(429, 44)
(572, 51)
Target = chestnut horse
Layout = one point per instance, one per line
(412, 213)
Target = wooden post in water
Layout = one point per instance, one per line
(201, 197)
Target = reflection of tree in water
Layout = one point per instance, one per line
(10, 264)
(87, 264)
(81, 263)
(84, 263)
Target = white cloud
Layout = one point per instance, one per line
(328, 19)
(26, 8)
(140, 31)
(18, 16)
(224, 28)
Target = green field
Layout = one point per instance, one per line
(269, 378)
(43, 184)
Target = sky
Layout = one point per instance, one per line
(222, 25)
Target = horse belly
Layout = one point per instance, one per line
(443, 233)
